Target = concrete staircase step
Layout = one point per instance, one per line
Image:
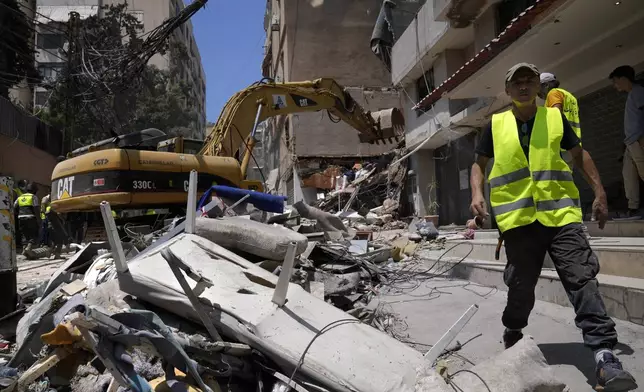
(618, 256)
(624, 297)
(616, 228)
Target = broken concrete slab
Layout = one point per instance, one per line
(338, 284)
(316, 289)
(74, 287)
(243, 292)
(256, 238)
(522, 368)
(329, 223)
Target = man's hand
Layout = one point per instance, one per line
(478, 206)
(600, 209)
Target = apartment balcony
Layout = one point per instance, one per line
(580, 44)
(459, 11)
(432, 32)
(423, 39)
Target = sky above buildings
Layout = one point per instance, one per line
(230, 35)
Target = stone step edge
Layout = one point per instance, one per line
(599, 247)
(623, 296)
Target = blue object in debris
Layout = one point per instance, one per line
(262, 201)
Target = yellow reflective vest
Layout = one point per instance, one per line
(26, 200)
(571, 111)
(541, 190)
(43, 215)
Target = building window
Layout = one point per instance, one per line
(424, 85)
(51, 41)
(139, 17)
(41, 98)
(50, 71)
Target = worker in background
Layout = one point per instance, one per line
(536, 206)
(623, 79)
(45, 204)
(556, 97)
(29, 215)
(57, 233)
(18, 190)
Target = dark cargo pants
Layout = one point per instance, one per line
(30, 229)
(576, 265)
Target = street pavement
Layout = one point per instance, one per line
(427, 308)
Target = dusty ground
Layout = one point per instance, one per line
(35, 271)
(428, 308)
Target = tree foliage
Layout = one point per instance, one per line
(97, 98)
(16, 50)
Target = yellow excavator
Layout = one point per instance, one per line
(145, 169)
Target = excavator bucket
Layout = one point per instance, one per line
(389, 129)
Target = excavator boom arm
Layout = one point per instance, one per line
(263, 100)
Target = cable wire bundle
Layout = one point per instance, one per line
(106, 63)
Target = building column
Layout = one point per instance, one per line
(424, 196)
(8, 266)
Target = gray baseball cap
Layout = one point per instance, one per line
(510, 74)
(547, 77)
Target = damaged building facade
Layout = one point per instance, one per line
(306, 40)
(451, 61)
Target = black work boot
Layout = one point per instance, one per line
(510, 338)
(611, 377)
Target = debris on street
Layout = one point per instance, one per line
(241, 298)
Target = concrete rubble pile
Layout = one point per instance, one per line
(376, 188)
(239, 300)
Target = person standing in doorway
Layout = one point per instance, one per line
(623, 79)
(536, 206)
(557, 97)
(28, 215)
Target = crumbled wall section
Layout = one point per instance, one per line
(331, 39)
(317, 136)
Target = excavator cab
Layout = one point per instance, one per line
(180, 145)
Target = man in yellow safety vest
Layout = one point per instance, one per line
(536, 206)
(557, 97)
(28, 212)
(18, 190)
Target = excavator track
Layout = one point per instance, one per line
(95, 234)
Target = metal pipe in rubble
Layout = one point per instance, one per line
(250, 143)
(281, 289)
